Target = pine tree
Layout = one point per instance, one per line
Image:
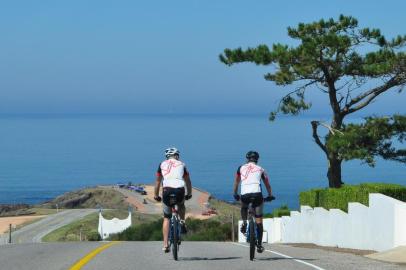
(342, 60)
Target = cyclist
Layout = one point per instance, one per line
(174, 176)
(250, 176)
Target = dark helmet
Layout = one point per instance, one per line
(252, 156)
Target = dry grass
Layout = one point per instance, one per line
(18, 221)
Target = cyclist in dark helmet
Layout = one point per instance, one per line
(250, 176)
(174, 177)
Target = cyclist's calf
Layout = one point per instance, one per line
(260, 230)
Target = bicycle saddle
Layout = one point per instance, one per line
(172, 199)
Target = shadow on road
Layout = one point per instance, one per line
(282, 258)
(208, 259)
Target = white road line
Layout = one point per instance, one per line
(286, 256)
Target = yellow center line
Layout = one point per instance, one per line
(79, 264)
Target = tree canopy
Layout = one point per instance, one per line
(342, 60)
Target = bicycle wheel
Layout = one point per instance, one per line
(252, 239)
(175, 239)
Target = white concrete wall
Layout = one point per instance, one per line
(111, 226)
(380, 226)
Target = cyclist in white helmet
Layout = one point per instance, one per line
(174, 176)
(250, 176)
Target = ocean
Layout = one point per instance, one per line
(42, 156)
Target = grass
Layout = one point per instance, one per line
(149, 227)
(225, 210)
(106, 197)
(216, 228)
(43, 211)
(89, 225)
(339, 198)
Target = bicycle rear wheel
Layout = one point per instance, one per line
(252, 239)
(175, 239)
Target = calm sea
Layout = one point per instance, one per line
(43, 156)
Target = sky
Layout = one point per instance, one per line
(154, 56)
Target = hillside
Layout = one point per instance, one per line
(107, 198)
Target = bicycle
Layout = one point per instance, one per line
(252, 230)
(174, 230)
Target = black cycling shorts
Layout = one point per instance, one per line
(257, 202)
(177, 199)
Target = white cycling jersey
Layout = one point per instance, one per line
(173, 172)
(251, 175)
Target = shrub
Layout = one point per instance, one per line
(278, 212)
(207, 230)
(93, 236)
(72, 237)
(198, 230)
(329, 198)
(143, 232)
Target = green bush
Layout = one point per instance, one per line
(151, 231)
(93, 236)
(207, 230)
(278, 212)
(339, 198)
(198, 230)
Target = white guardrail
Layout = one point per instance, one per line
(379, 226)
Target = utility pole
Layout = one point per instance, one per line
(232, 228)
(9, 234)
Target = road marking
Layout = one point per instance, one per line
(79, 264)
(286, 256)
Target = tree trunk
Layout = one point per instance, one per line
(334, 171)
(334, 162)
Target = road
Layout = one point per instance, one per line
(193, 255)
(195, 206)
(136, 200)
(34, 232)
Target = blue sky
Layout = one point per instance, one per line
(158, 56)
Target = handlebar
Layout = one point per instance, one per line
(269, 199)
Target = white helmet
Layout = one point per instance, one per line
(171, 152)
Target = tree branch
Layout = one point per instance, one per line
(368, 96)
(317, 138)
(332, 130)
(298, 89)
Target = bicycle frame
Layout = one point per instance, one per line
(252, 228)
(174, 232)
(174, 218)
(251, 217)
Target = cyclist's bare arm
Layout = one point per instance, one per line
(237, 181)
(157, 185)
(265, 179)
(188, 184)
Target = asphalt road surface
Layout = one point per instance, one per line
(34, 232)
(193, 255)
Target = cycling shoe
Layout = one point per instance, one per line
(260, 249)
